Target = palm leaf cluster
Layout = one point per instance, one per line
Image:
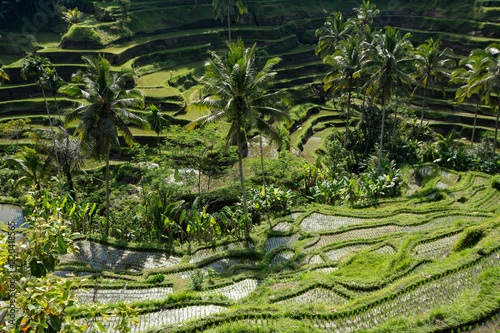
(105, 114)
(239, 93)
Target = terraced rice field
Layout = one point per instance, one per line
(274, 242)
(327, 299)
(317, 296)
(123, 294)
(435, 249)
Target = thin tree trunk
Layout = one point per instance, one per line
(496, 134)
(395, 125)
(107, 184)
(262, 161)
(229, 24)
(381, 137)
(474, 126)
(423, 105)
(58, 112)
(242, 180)
(347, 120)
(54, 142)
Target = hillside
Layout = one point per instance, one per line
(409, 265)
(168, 55)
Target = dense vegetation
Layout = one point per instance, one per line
(336, 155)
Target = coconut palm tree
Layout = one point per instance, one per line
(224, 7)
(347, 63)
(156, 120)
(335, 29)
(238, 91)
(490, 82)
(36, 66)
(473, 70)
(366, 13)
(389, 59)
(52, 82)
(105, 116)
(431, 64)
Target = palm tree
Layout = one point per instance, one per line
(105, 115)
(490, 82)
(388, 58)
(156, 121)
(265, 127)
(475, 67)
(347, 63)
(72, 159)
(224, 7)
(335, 29)
(35, 66)
(52, 81)
(238, 91)
(30, 166)
(431, 67)
(366, 13)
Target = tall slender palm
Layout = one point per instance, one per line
(431, 64)
(335, 29)
(389, 58)
(238, 91)
(52, 81)
(264, 126)
(491, 83)
(366, 12)
(347, 63)
(474, 68)
(223, 8)
(105, 115)
(156, 120)
(36, 66)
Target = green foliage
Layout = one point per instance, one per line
(196, 280)
(286, 170)
(470, 238)
(270, 199)
(72, 16)
(495, 182)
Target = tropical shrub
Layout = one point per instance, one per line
(270, 199)
(495, 182)
(157, 278)
(383, 182)
(197, 279)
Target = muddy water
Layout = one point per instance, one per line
(10, 212)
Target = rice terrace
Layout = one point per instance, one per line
(249, 166)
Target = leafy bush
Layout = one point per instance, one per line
(382, 183)
(197, 279)
(157, 278)
(272, 199)
(495, 182)
(470, 238)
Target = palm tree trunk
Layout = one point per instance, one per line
(242, 180)
(474, 126)
(347, 120)
(108, 148)
(496, 134)
(229, 24)
(381, 136)
(262, 161)
(423, 105)
(54, 142)
(395, 125)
